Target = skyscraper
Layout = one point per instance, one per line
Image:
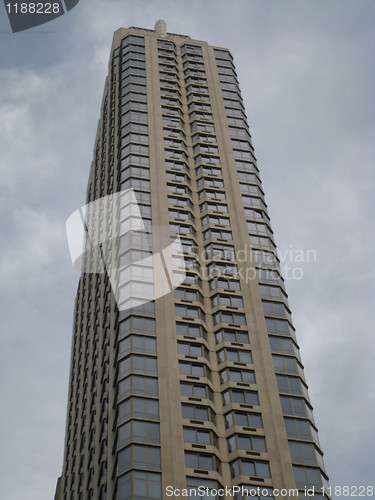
(203, 386)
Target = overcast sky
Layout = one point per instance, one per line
(306, 69)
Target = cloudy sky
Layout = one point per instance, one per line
(306, 69)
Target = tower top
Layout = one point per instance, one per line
(161, 27)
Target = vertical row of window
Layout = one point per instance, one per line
(85, 471)
(135, 281)
(285, 351)
(195, 372)
(234, 360)
(195, 369)
(85, 394)
(138, 436)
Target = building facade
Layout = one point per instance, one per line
(204, 386)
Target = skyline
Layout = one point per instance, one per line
(38, 217)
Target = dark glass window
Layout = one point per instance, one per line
(138, 408)
(141, 485)
(140, 457)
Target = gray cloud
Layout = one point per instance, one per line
(307, 76)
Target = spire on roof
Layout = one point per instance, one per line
(161, 27)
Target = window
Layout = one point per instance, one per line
(146, 309)
(191, 349)
(195, 390)
(182, 202)
(201, 106)
(175, 189)
(176, 154)
(234, 355)
(300, 429)
(143, 197)
(133, 137)
(137, 324)
(229, 317)
(187, 294)
(241, 397)
(188, 278)
(132, 289)
(243, 419)
(246, 166)
(237, 133)
(141, 485)
(233, 88)
(195, 412)
(269, 275)
(275, 309)
(189, 330)
(291, 385)
(225, 284)
(283, 345)
(285, 364)
(253, 201)
(193, 435)
(207, 170)
(134, 171)
(307, 477)
(137, 343)
(133, 117)
(172, 122)
(205, 138)
(138, 408)
(295, 406)
(138, 364)
(217, 234)
(133, 40)
(275, 292)
(214, 219)
(304, 453)
(202, 461)
(182, 228)
(166, 43)
(210, 181)
(214, 207)
(139, 431)
(220, 251)
(255, 227)
(171, 132)
(138, 385)
(175, 164)
(214, 195)
(191, 49)
(188, 311)
(134, 105)
(250, 189)
(234, 375)
(134, 88)
(202, 126)
(140, 457)
(195, 369)
(232, 336)
(248, 177)
(226, 300)
(169, 101)
(250, 468)
(243, 442)
(135, 160)
(279, 326)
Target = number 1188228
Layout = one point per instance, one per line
(33, 8)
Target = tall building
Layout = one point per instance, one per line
(204, 386)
